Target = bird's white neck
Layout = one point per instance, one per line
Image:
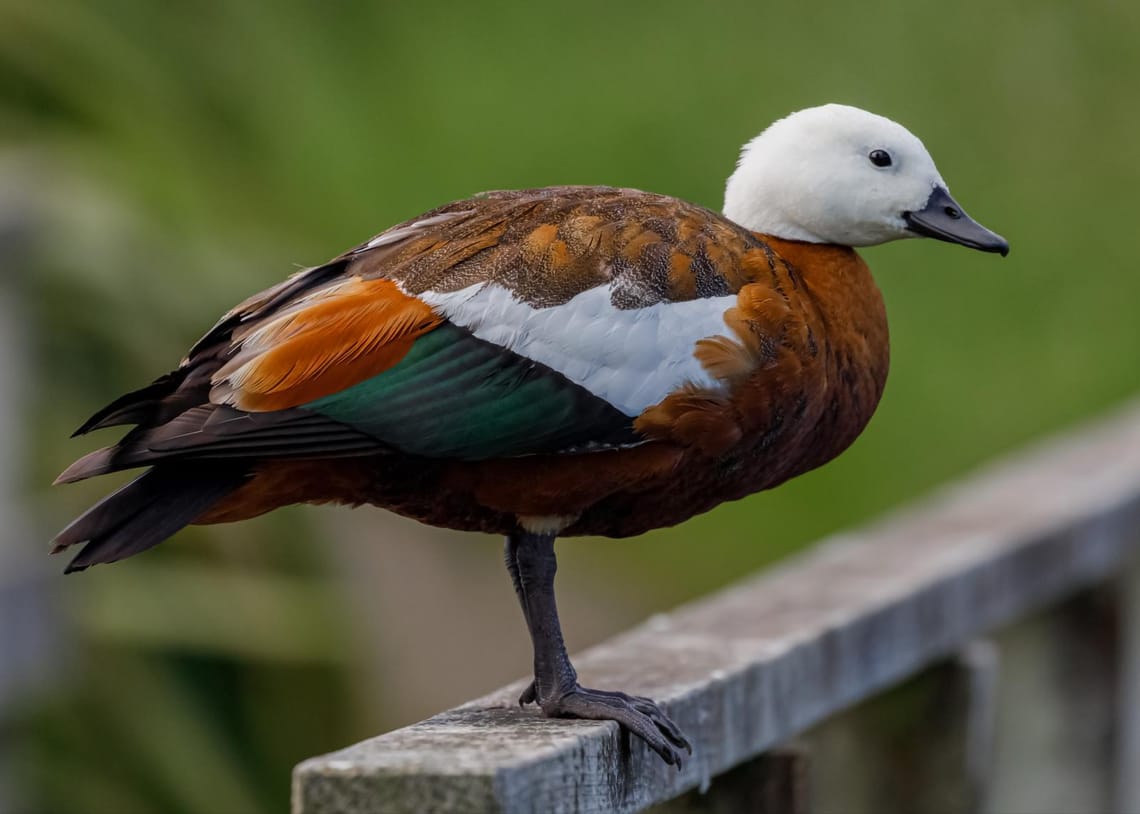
(758, 198)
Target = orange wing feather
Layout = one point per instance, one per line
(326, 343)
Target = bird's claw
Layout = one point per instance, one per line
(641, 716)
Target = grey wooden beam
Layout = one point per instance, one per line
(774, 783)
(924, 746)
(1057, 710)
(756, 664)
(980, 664)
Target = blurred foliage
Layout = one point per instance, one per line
(186, 155)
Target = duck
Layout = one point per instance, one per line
(546, 363)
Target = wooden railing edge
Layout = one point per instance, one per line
(754, 665)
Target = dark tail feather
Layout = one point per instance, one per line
(134, 406)
(145, 512)
(99, 462)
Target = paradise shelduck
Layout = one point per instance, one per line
(547, 362)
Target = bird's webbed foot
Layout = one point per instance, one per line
(641, 716)
(531, 563)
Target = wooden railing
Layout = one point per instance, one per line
(979, 651)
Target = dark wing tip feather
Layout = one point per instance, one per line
(99, 462)
(132, 407)
(145, 512)
(217, 432)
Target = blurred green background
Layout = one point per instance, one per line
(166, 160)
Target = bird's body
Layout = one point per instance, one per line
(676, 361)
(560, 361)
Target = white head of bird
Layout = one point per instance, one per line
(838, 174)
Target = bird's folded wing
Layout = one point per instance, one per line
(514, 324)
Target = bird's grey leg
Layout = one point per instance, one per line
(532, 564)
(528, 695)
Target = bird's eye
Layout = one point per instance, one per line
(880, 158)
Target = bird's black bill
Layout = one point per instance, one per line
(943, 219)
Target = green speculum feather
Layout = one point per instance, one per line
(456, 396)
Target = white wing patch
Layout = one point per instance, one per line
(632, 358)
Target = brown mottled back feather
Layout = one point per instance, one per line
(549, 245)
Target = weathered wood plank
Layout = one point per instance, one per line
(1056, 703)
(774, 783)
(980, 663)
(922, 747)
(754, 665)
